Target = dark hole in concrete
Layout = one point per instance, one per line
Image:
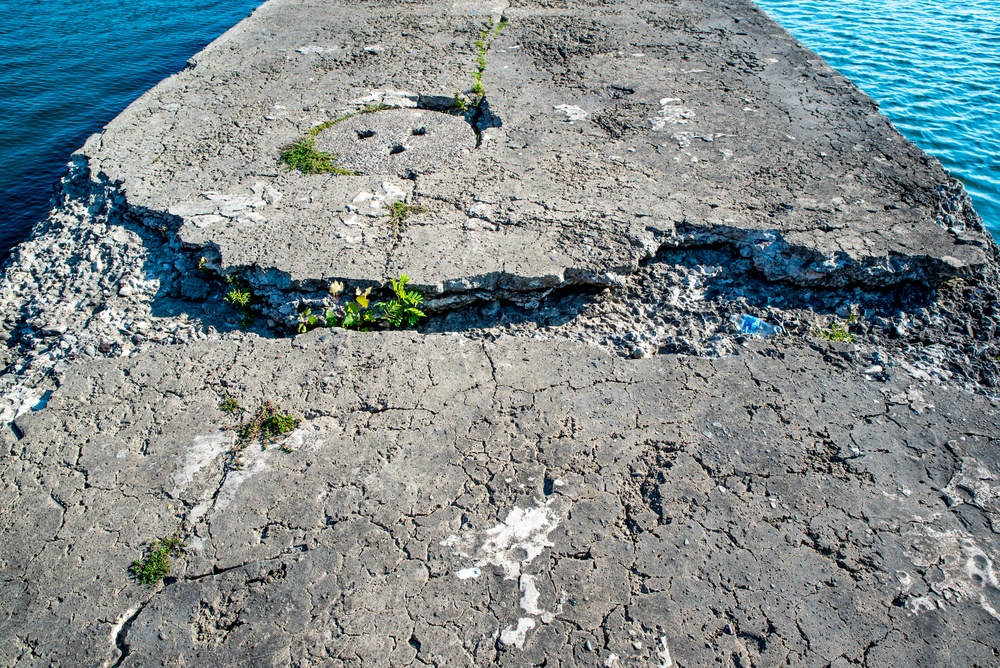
(420, 132)
(365, 134)
(396, 149)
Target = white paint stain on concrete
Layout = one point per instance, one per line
(515, 542)
(515, 637)
(664, 654)
(573, 112)
(523, 535)
(507, 548)
(967, 570)
(201, 452)
(530, 595)
(672, 112)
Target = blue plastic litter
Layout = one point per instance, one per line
(754, 326)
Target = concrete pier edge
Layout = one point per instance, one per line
(578, 457)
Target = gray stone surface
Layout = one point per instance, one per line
(578, 459)
(399, 142)
(765, 509)
(614, 129)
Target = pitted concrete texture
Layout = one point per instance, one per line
(609, 130)
(446, 502)
(498, 493)
(400, 142)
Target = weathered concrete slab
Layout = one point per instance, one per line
(505, 487)
(761, 510)
(610, 129)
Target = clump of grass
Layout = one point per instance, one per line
(837, 332)
(156, 565)
(305, 157)
(267, 425)
(230, 405)
(400, 211)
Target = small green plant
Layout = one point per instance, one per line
(326, 125)
(400, 211)
(837, 332)
(361, 314)
(156, 565)
(240, 296)
(305, 157)
(404, 307)
(230, 405)
(483, 46)
(267, 425)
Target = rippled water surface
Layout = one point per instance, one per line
(67, 68)
(932, 65)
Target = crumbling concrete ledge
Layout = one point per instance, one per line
(535, 477)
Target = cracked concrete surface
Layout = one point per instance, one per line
(578, 461)
(613, 132)
(724, 509)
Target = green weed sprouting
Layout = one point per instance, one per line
(240, 296)
(483, 46)
(230, 405)
(267, 425)
(156, 566)
(837, 332)
(361, 314)
(404, 307)
(400, 211)
(305, 157)
(326, 125)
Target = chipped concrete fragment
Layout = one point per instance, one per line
(573, 112)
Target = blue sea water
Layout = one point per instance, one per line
(932, 65)
(67, 68)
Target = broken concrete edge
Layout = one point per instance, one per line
(283, 297)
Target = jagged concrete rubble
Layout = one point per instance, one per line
(578, 459)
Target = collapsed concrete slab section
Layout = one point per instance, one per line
(585, 456)
(602, 134)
